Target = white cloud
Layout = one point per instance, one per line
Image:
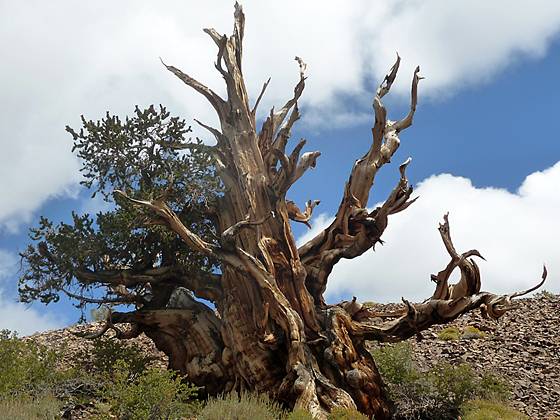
(16, 316)
(61, 59)
(460, 43)
(515, 232)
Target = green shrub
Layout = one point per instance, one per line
(489, 410)
(105, 353)
(437, 393)
(453, 384)
(244, 406)
(154, 394)
(449, 334)
(25, 367)
(395, 364)
(492, 387)
(471, 332)
(26, 408)
(299, 414)
(340, 413)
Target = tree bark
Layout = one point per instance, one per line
(272, 330)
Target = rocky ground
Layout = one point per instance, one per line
(523, 348)
(71, 348)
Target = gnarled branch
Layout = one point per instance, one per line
(212, 97)
(354, 229)
(170, 219)
(446, 304)
(295, 214)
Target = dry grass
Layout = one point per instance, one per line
(25, 408)
(490, 410)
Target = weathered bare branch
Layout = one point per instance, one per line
(470, 283)
(93, 336)
(418, 317)
(212, 97)
(97, 334)
(238, 33)
(295, 214)
(216, 37)
(532, 289)
(279, 116)
(291, 168)
(254, 110)
(274, 133)
(271, 149)
(215, 132)
(172, 221)
(308, 160)
(228, 235)
(354, 230)
(446, 304)
(385, 86)
(407, 121)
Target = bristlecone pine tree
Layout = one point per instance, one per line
(213, 222)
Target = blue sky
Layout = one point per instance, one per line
(485, 142)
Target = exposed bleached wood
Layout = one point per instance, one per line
(212, 97)
(170, 219)
(295, 214)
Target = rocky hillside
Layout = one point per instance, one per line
(523, 348)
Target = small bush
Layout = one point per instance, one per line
(154, 394)
(25, 367)
(449, 334)
(299, 414)
(453, 384)
(492, 387)
(27, 408)
(105, 353)
(395, 363)
(471, 332)
(346, 414)
(489, 410)
(245, 406)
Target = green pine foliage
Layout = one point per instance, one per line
(148, 156)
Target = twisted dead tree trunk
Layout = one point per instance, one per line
(272, 330)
